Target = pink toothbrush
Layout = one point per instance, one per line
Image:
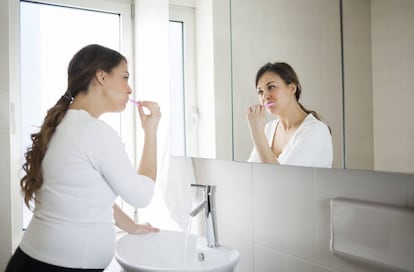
(268, 105)
(135, 101)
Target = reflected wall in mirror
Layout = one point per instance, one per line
(305, 34)
(379, 97)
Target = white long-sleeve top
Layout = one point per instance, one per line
(310, 145)
(85, 168)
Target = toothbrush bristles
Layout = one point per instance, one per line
(134, 101)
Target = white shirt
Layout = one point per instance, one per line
(85, 168)
(310, 145)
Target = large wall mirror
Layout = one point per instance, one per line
(354, 59)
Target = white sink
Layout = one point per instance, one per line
(166, 251)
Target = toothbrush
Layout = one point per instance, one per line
(268, 105)
(135, 101)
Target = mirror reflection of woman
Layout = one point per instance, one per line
(296, 136)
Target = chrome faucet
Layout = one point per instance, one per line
(209, 204)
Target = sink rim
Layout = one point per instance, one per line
(201, 245)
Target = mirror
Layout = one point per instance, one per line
(354, 59)
(368, 54)
(306, 34)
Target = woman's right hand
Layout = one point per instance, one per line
(256, 118)
(149, 122)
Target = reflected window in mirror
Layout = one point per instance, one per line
(176, 47)
(192, 106)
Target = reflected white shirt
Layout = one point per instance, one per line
(85, 168)
(310, 145)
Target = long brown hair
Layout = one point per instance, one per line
(82, 69)
(288, 75)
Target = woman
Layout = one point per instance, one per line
(77, 166)
(297, 136)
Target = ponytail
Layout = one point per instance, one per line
(33, 179)
(314, 113)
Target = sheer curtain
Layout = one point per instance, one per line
(171, 203)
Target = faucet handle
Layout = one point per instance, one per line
(207, 188)
(198, 185)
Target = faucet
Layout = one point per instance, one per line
(209, 204)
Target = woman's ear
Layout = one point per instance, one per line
(100, 76)
(293, 88)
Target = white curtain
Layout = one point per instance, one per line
(172, 200)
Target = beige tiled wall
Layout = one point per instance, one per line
(278, 216)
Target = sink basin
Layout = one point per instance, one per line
(173, 251)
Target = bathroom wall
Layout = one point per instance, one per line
(10, 201)
(5, 204)
(278, 216)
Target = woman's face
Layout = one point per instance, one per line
(116, 88)
(274, 93)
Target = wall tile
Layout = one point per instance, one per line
(267, 259)
(319, 268)
(285, 226)
(244, 244)
(201, 170)
(287, 182)
(410, 192)
(283, 209)
(363, 185)
(239, 179)
(270, 260)
(235, 213)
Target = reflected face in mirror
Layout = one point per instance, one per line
(274, 93)
(297, 136)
